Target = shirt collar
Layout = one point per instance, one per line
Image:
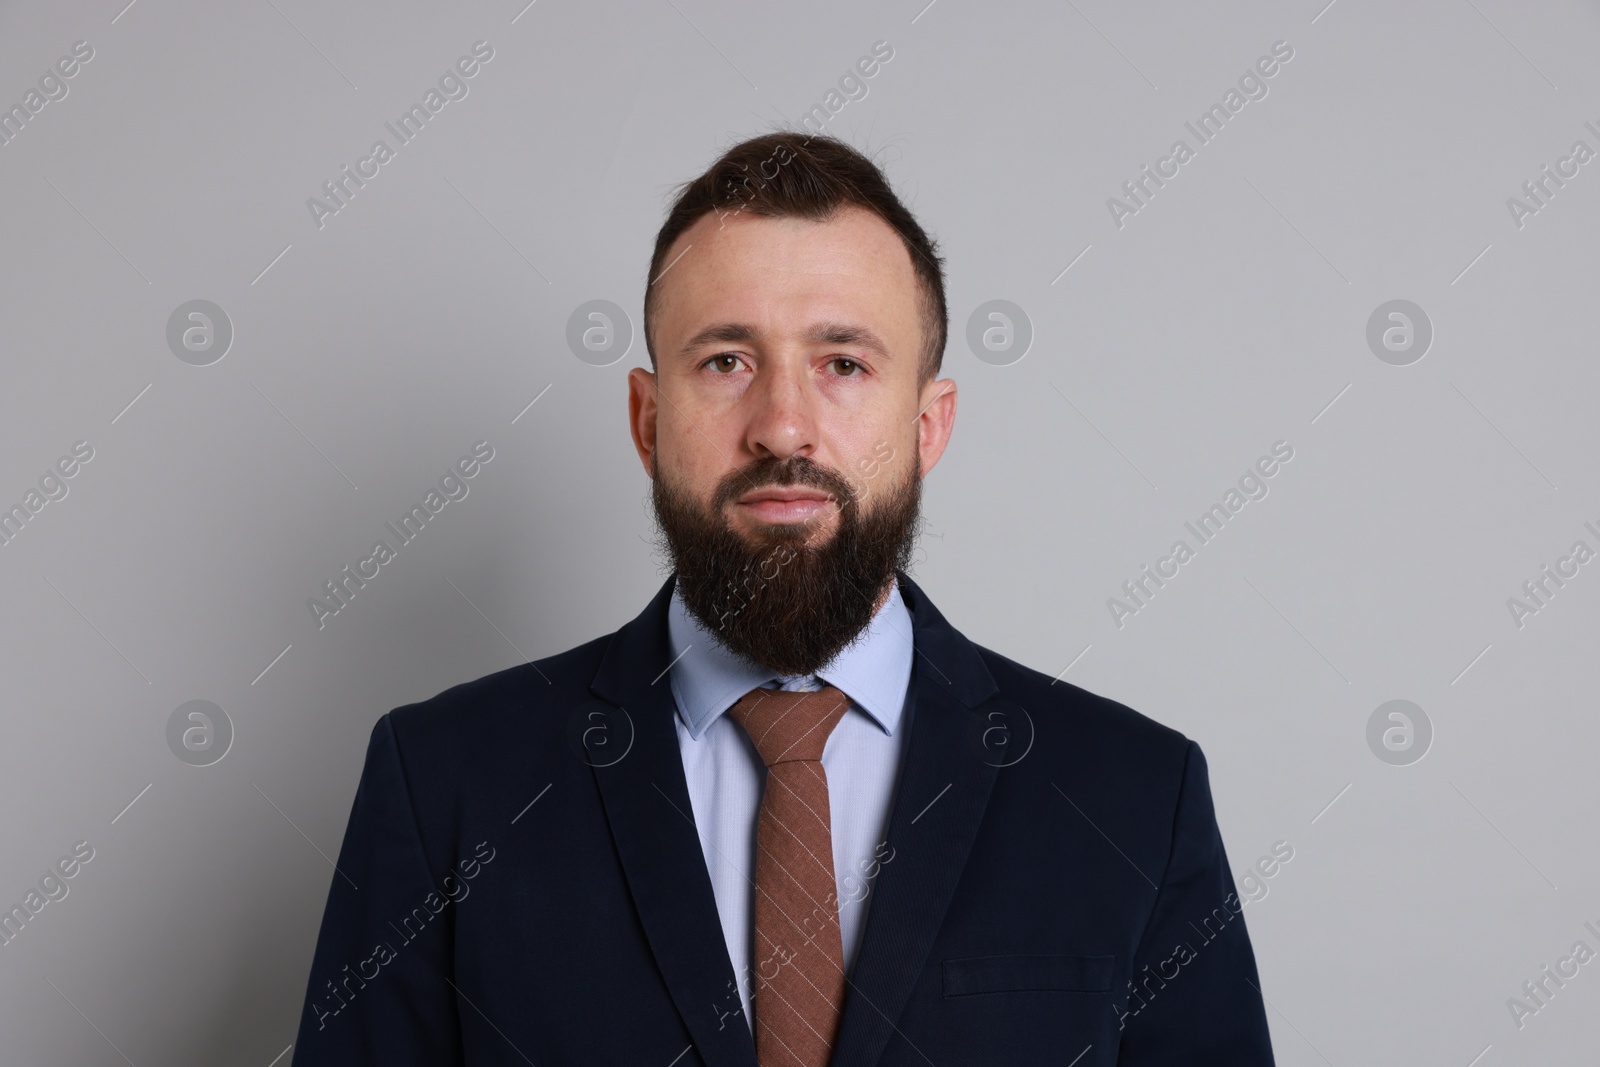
(873, 671)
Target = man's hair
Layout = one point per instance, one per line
(809, 176)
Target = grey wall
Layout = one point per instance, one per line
(1172, 346)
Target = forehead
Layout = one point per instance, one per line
(774, 271)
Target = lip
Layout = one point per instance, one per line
(783, 494)
(784, 504)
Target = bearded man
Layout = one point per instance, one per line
(788, 816)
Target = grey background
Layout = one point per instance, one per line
(1228, 314)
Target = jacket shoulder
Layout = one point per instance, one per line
(1120, 768)
(1089, 725)
(493, 707)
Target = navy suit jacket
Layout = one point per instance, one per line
(521, 882)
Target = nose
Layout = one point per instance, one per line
(782, 413)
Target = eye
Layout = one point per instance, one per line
(723, 363)
(848, 368)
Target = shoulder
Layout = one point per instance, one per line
(1133, 780)
(1095, 736)
(520, 709)
(1089, 715)
(454, 768)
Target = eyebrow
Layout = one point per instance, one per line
(720, 333)
(822, 333)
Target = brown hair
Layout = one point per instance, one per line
(812, 177)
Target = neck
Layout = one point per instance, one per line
(883, 596)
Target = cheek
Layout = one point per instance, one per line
(880, 456)
(688, 461)
(690, 436)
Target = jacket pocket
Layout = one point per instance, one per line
(1005, 974)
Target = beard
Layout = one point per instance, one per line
(774, 597)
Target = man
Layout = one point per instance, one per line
(788, 816)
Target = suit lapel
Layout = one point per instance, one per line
(646, 799)
(939, 802)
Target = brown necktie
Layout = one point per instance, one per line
(799, 953)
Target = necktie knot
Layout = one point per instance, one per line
(786, 726)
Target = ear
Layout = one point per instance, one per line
(936, 421)
(642, 413)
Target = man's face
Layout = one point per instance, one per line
(786, 409)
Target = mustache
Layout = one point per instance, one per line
(796, 470)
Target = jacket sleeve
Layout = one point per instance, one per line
(379, 991)
(1195, 998)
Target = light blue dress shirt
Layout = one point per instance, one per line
(726, 774)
